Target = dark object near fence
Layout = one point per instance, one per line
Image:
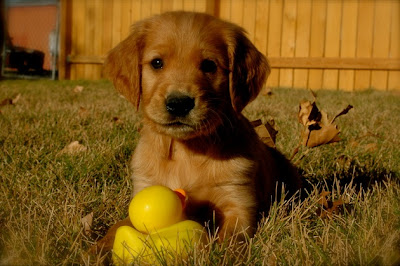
(25, 60)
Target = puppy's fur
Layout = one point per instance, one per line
(191, 75)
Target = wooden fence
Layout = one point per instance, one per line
(329, 44)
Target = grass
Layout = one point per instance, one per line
(45, 192)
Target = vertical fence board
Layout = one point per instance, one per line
(156, 7)
(261, 23)
(89, 37)
(365, 26)
(116, 21)
(381, 42)
(394, 76)
(332, 41)
(288, 40)
(126, 12)
(145, 9)
(348, 43)
(98, 35)
(317, 41)
(261, 26)
(200, 6)
(78, 32)
(177, 4)
(249, 11)
(274, 37)
(225, 9)
(136, 11)
(65, 39)
(237, 12)
(188, 5)
(166, 5)
(300, 76)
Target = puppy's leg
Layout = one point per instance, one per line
(106, 243)
(236, 222)
(238, 215)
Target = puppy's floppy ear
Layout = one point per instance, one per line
(123, 64)
(249, 69)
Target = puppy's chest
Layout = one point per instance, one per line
(182, 168)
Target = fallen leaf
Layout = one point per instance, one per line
(16, 98)
(4, 102)
(267, 133)
(87, 222)
(344, 161)
(10, 101)
(322, 200)
(305, 109)
(118, 121)
(343, 112)
(328, 208)
(318, 129)
(267, 92)
(354, 144)
(256, 123)
(78, 89)
(73, 148)
(138, 126)
(371, 147)
(83, 112)
(324, 135)
(314, 94)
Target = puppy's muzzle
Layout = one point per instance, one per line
(179, 105)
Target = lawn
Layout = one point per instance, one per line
(47, 188)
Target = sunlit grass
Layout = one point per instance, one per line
(44, 193)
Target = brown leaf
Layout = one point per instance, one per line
(4, 102)
(304, 112)
(326, 134)
(16, 98)
(118, 121)
(318, 129)
(328, 208)
(354, 144)
(371, 147)
(256, 123)
(267, 92)
(138, 126)
(343, 112)
(83, 112)
(10, 101)
(78, 89)
(73, 148)
(87, 222)
(344, 161)
(322, 200)
(314, 94)
(267, 133)
(309, 113)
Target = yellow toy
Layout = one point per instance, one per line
(158, 228)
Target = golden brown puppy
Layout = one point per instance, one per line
(191, 75)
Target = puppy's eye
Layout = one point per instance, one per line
(208, 66)
(157, 63)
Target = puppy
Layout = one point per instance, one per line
(191, 75)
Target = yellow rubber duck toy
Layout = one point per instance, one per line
(156, 213)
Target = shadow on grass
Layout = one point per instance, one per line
(361, 177)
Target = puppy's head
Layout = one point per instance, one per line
(189, 72)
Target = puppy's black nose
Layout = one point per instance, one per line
(179, 105)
